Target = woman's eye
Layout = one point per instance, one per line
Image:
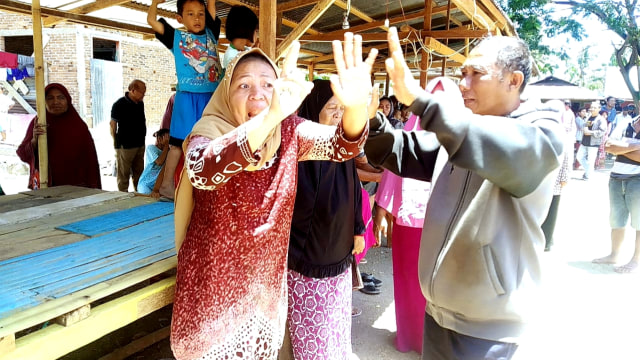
(268, 85)
(244, 86)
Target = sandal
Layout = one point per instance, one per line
(370, 289)
(355, 312)
(370, 278)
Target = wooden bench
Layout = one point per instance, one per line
(66, 249)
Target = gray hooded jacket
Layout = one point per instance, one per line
(481, 244)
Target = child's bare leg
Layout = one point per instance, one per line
(168, 188)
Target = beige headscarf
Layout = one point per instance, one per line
(217, 120)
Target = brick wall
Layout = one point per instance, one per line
(147, 60)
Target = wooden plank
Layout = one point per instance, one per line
(119, 219)
(456, 33)
(43, 149)
(74, 316)
(442, 49)
(25, 105)
(31, 279)
(267, 27)
(138, 344)
(7, 343)
(424, 56)
(24, 215)
(55, 341)
(56, 307)
(477, 16)
(295, 4)
(305, 24)
(29, 199)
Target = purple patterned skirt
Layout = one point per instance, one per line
(319, 316)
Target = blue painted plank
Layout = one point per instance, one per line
(57, 272)
(119, 219)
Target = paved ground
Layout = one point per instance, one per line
(588, 311)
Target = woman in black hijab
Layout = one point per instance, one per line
(327, 229)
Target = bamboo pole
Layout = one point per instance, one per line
(43, 156)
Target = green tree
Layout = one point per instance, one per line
(620, 16)
(534, 20)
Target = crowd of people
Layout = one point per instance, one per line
(282, 185)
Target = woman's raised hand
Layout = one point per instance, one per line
(291, 88)
(352, 85)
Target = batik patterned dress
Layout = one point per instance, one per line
(231, 285)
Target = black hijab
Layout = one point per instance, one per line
(316, 100)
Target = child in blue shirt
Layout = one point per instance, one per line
(198, 70)
(241, 30)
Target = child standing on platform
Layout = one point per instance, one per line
(241, 31)
(198, 70)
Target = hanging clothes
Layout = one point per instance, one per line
(8, 60)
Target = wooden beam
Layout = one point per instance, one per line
(18, 97)
(424, 61)
(22, 8)
(267, 27)
(287, 22)
(305, 24)
(355, 11)
(295, 4)
(55, 341)
(440, 48)
(456, 33)
(293, 25)
(43, 152)
(479, 18)
(138, 344)
(364, 52)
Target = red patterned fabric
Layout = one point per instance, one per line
(230, 297)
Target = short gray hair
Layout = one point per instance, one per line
(512, 54)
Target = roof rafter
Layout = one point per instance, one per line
(305, 24)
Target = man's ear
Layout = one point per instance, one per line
(179, 18)
(515, 80)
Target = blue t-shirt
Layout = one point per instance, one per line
(151, 170)
(196, 57)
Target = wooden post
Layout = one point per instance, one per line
(267, 23)
(446, 42)
(43, 156)
(311, 66)
(424, 61)
(386, 85)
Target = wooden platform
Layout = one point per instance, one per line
(65, 248)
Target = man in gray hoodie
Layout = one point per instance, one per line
(480, 252)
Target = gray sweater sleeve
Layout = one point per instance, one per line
(515, 153)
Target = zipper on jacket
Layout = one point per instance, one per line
(463, 192)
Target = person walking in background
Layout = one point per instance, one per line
(72, 153)
(128, 129)
(581, 120)
(155, 156)
(624, 192)
(197, 67)
(241, 29)
(593, 131)
(481, 247)
(569, 122)
(326, 231)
